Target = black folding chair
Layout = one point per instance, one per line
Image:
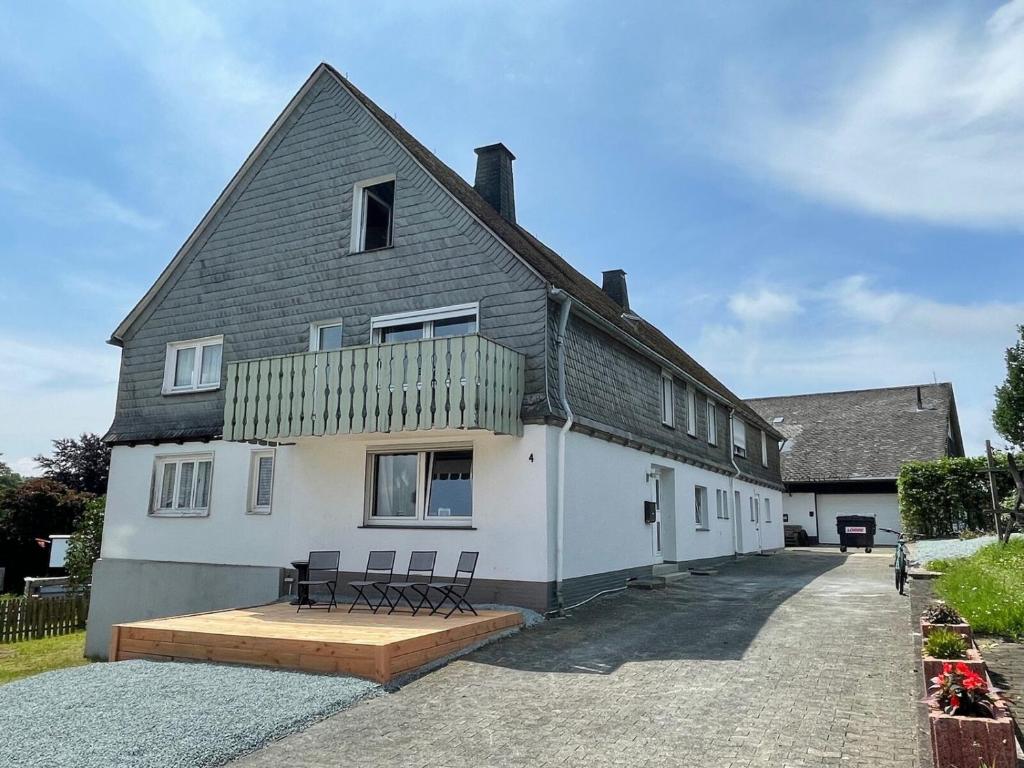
(322, 572)
(381, 563)
(421, 564)
(455, 591)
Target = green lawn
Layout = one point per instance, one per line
(30, 657)
(987, 588)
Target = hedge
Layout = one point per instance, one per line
(941, 498)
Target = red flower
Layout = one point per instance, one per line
(947, 668)
(963, 669)
(974, 682)
(954, 701)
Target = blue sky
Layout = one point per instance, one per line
(806, 196)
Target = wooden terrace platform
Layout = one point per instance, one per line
(375, 646)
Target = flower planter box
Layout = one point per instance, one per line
(959, 741)
(961, 629)
(933, 666)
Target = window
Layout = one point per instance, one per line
(691, 411)
(193, 366)
(373, 203)
(261, 482)
(722, 504)
(767, 510)
(700, 506)
(739, 437)
(764, 449)
(712, 422)
(433, 487)
(737, 506)
(667, 401)
(429, 324)
(753, 509)
(181, 485)
(325, 335)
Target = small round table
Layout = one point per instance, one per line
(302, 590)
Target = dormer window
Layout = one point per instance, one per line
(373, 214)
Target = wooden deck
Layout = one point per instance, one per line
(374, 646)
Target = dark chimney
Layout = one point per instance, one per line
(494, 179)
(614, 284)
(920, 403)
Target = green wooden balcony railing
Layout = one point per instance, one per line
(460, 382)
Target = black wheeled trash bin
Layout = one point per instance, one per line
(855, 531)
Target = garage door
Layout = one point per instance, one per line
(884, 507)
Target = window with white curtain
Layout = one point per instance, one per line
(193, 366)
(433, 487)
(712, 422)
(181, 485)
(739, 437)
(764, 449)
(668, 400)
(691, 410)
(261, 482)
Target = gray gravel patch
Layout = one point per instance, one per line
(144, 714)
(927, 550)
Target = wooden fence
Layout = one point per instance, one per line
(28, 618)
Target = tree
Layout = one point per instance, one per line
(84, 545)
(29, 513)
(82, 465)
(8, 477)
(1008, 415)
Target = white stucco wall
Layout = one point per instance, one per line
(318, 504)
(606, 486)
(884, 507)
(801, 510)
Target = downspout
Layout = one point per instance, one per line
(563, 322)
(732, 478)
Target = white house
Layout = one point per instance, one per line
(358, 350)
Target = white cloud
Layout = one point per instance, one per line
(765, 306)
(851, 334)
(931, 127)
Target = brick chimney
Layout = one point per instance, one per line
(494, 179)
(614, 284)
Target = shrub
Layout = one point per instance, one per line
(959, 691)
(941, 498)
(987, 588)
(940, 613)
(944, 644)
(84, 544)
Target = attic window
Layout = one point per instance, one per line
(778, 419)
(373, 214)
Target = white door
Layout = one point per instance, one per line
(755, 518)
(659, 555)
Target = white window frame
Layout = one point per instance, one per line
(421, 519)
(764, 449)
(739, 437)
(171, 360)
(425, 316)
(700, 507)
(159, 462)
(712, 422)
(358, 207)
(691, 411)
(668, 400)
(767, 509)
(737, 507)
(316, 326)
(253, 508)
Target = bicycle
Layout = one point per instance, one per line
(900, 561)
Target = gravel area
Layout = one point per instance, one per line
(143, 714)
(939, 549)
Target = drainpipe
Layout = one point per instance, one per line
(563, 322)
(732, 493)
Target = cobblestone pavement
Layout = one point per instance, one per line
(1005, 663)
(800, 659)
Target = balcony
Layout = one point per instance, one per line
(461, 382)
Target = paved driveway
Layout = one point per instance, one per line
(799, 659)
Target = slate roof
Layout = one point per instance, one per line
(551, 266)
(865, 434)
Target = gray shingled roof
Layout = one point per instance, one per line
(863, 434)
